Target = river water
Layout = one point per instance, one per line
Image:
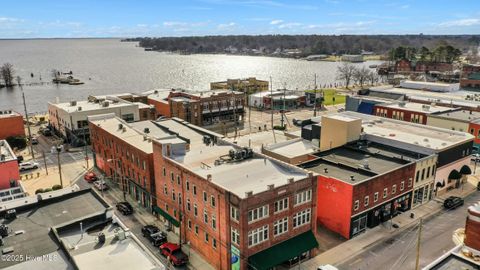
(109, 66)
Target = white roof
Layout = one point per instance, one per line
(410, 133)
(6, 151)
(416, 107)
(253, 174)
(158, 94)
(293, 148)
(91, 106)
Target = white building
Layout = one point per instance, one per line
(69, 119)
(431, 86)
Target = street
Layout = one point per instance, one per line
(399, 252)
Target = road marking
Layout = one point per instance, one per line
(356, 261)
(373, 253)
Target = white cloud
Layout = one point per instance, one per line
(275, 22)
(174, 24)
(405, 6)
(10, 20)
(226, 25)
(289, 25)
(462, 22)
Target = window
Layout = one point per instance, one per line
(179, 198)
(302, 218)
(417, 176)
(235, 236)
(280, 226)
(214, 222)
(212, 201)
(189, 224)
(366, 200)
(178, 179)
(258, 213)
(196, 229)
(188, 185)
(205, 216)
(214, 243)
(194, 190)
(394, 189)
(195, 209)
(281, 205)
(206, 237)
(188, 204)
(428, 172)
(409, 182)
(303, 197)
(173, 195)
(172, 177)
(375, 197)
(356, 205)
(234, 213)
(385, 193)
(258, 236)
(423, 173)
(205, 196)
(402, 185)
(433, 169)
(165, 190)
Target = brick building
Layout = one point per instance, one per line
(248, 85)
(124, 152)
(200, 108)
(353, 197)
(238, 209)
(408, 111)
(8, 166)
(11, 124)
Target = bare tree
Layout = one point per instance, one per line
(7, 73)
(360, 75)
(372, 77)
(345, 73)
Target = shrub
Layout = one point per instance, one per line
(56, 187)
(17, 142)
(47, 190)
(40, 190)
(279, 127)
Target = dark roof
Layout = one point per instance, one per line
(37, 220)
(454, 262)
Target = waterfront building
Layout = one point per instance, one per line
(69, 119)
(354, 58)
(430, 86)
(248, 85)
(11, 124)
(237, 208)
(289, 99)
(9, 173)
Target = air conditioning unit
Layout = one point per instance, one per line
(105, 104)
(73, 103)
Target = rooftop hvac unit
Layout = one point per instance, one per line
(73, 103)
(3, 230)
(101, 238)
(105, 104)
(120, 126)
(2, 157)
(120, 234)
(79, 108)
(146, 130)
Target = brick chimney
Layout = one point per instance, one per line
(472, 227)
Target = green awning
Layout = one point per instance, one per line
(284, 251)
(166, 216)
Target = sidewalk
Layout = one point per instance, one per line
(196, 262)
(363, 242)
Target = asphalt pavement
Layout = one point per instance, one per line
(399, 252)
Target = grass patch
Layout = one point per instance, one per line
(329, 94)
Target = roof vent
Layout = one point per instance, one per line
(325, 170)
(248, 194)
(105, 104)
(271, 187)
(79, 108)
(352, 178)
(290, 180)
(124, 129)
(120, 126)
(425, 140)
(146, 130)
(73, 103)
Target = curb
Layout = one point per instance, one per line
(395, 233)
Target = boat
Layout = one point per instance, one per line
(373, 66)
(75, 82)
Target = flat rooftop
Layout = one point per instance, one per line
(455, 260)
(6, 153)
(186, 130)
(459, 115)
(416, 107)
(293, 148)
(258, 139)
(36, 221)
(159, 95)
(362, 162)
(91, 106)
(8, 114)
(410, 133)
(253, 174)
(118, 254)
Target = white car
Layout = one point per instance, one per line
(28, 165)
(100, 185)
(476, 157)
(327, 267)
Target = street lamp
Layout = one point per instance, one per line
(114, 161)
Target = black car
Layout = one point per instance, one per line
(148, 230)
(452, 202)
(125, 208)
(157, 239)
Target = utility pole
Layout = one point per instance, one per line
(271, 108)
(19, 81)
(283, 111)
(417, 261)
(315, 95)
(45, 161)
(59, 165)
(234, 113)
(86, 148)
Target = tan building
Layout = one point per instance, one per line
(338, 130)
(248, 85)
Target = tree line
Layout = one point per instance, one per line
(307, 44)
(442, 53)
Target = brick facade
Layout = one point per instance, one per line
(11, 125)
(472, 229)
(399, 114)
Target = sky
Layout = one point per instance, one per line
(135, 18)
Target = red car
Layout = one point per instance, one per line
(90, 177)
(174, 253)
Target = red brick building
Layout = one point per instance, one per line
(11, 124)
(403, 66)
(236, 208)
(124, 152)
(408, 111)
(352, 197)
(472, 227)
(406, 66)
(8, 166)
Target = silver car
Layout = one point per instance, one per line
(28, 165)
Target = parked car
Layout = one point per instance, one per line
(475, 157)
(158, 239)
(327, 267)
(452, 202)
(174, 254)
(125, 208)
(90, 177)
(100, 185)
(34, 140)
(47, 132)
(19, 159)
(147, 230)
(28, 165)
